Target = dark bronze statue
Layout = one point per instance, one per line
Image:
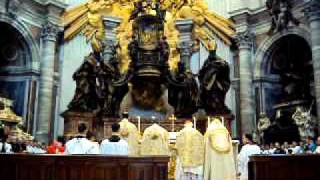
(85, 98)
(184, 98)
(96, 91)
(214, 84)
(280, 11)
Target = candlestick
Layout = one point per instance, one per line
(172, 122)
(194, 122)
(222, 120)
(139, 124)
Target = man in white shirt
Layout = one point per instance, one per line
(80, 144)
(247, 150)
(4, 146)
(7, 148)
(114, 145)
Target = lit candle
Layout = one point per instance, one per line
(222, 120)
(208, 121)
(139, 124)
(194, 122)
(172, 125)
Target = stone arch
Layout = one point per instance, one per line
(264, 50)
(31, 44)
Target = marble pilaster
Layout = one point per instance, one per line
(185, 29)
(49, 38)
(110, 41)
(247, 110)
(313, 15)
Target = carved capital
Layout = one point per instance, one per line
(49, 32)
(312, 10)
(245, 39)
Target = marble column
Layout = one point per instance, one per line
(45, 99)
(313, 14)
(185, 29)
(110, 41)
(247, 110)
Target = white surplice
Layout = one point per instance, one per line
(81, 146)
(114, 148)
(243, 159)
(7, 147)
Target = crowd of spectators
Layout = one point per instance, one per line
(309, 146)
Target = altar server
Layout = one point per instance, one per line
(80, 144)
(219, 160)
(247, 150)
(114, 145)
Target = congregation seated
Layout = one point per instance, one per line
(115, 145)
(34, 147)
(309, 146)
(57, 147)
(80, 144)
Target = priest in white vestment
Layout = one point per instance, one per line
(219, 159)
(114, 145)
(246, 151)
(190, 153)
(130, 133)
(155, 141)
(80, 144)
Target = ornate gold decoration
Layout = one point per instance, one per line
(87, 18)
(6, 114)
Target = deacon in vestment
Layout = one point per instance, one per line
(80, 144)
(219, 161)
(190, 153)
(129, 132)
(155, 141)
(243, 158)
(114, 145)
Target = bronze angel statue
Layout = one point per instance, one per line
(87, 19)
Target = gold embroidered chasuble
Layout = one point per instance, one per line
(219, 161)
(155, 141)
(130, 133)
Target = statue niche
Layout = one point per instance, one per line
(280, 11)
